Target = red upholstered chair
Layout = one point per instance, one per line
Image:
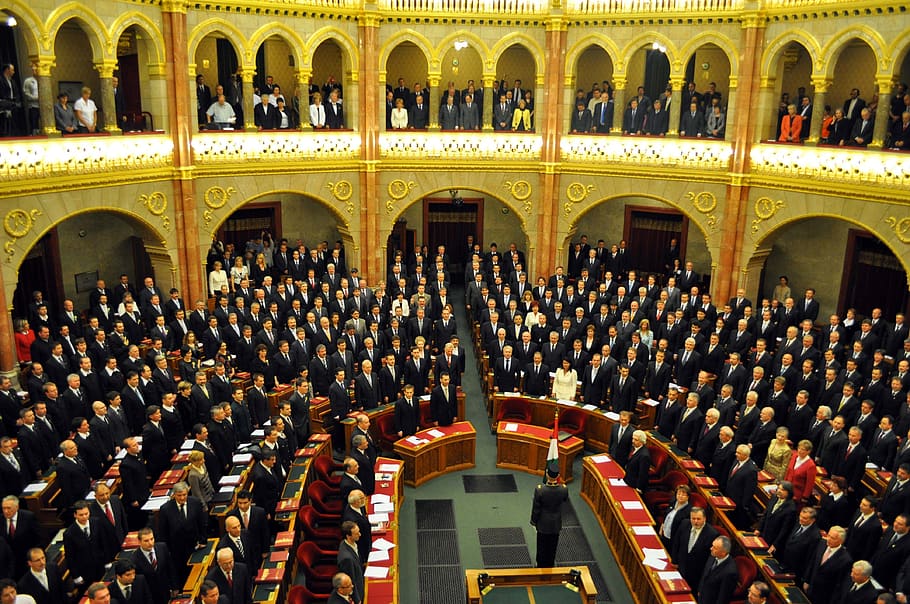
(324, 498)
(514, 410)
(386, 426)
(572, 421)
(697, 500)
(660, 493)
(299, 594)
(723, 532)
(322, 530)
(425, 420)
(325, 469)
(748, 571)
(658, 463)
(317, 564)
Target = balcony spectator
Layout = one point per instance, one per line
(633, 118)
(839, 129)
(285, 118)
(790, 126)
(220, 115)
(64, 116)
(470, 113)
(399, 117)
(419, 114)
(693, 121)
(861, 135)
(900, 133)
(581, 119)
(449, 118)
(265, 114)
(521, 117)
(805, 112)
(603, 114)
(716, 123)
(86, 112)
(853, 106)
(317, 112)
(203, 98)
(657, 121)
(334, 114)
(827, 118)
(30, 95)
(502, 113)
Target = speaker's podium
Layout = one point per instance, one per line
(563, 584)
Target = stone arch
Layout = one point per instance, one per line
(648, 38)
(153, 32)
(574, 53)
(717, 39)
(231, 33)
(898, 51)
(344, 41)
(91, 25)
(523, 40)
(282, 31)
(774, 49)
(411, 199)
(417, 39)
(473, 39)
(832, 50)
(31, 27)
(231, 207)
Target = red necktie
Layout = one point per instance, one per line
(109, 513)
(230, 579)
(11, 531)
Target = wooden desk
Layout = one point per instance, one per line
(525, 448)
(504, 578)
(385, 590)
(598, 423)
(452, 451)
(628, 529)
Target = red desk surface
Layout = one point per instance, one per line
(456, 428)
(539, 432)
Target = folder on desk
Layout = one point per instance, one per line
(774, 570)
(692, 464)
(705, 481)
(753, 542)
(722, 502)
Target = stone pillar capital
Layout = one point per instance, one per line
(43, 65)
(105, 68)
(820, 84)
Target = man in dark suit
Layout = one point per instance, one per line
(444, 402)
(407, 413)
(639, 462)
(366, 462)
(153, 561)
(265, 114)
(340, 406)
(90, 544)
(723, 458)
(850, 461)
(240, 542)
(537, 379)
(232, 578)
(896, 499)
(780, 516)
(72, 476)
(762, 435)
(349, 558)
(253, 519)
(685, 435)
(40, 574)
(858, 587)
(669, 412)
(24, 535)
(741, 484)
(266, 486)
(355, 510)
(623, 391)
(182, 525)
(367, 390)
(706, 441)
(621, 438)
(718, 581)
(861, 135)
(891, 552)
(632, 118)
(865, 530)
(129, 587)
(800, 544)
(827, 566)
(883, 444)
(109, 508)
(15, 472)
(506, 372)
(690, 545)
(657, 378)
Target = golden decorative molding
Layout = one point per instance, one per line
(211, 149)
(421, 146)
(398, 190)
(901, 228)
(156, 204)
(701, 154)
(521, 191)
(842, 165)
(215, 198)
(343, 191)
(705, 202)
(576, 193)
(17, 224)
(765, 208)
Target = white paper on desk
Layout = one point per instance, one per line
(415, 440)
(231, 479)
(387, 507)
(645, 529)
(510, 427)
(655, 552)
(376, 572)
(227, 489)
(34, 487)
(650, 402)
(383, 544)
(589, 407)
(600, 458)
(632, 505)
(380, 498)
(187, 444)
(378, 517)
(425, 397)
(242, 458)
(388, 467)
(511, 393)
(871, 466)
(257, 433)
(378, 555)
(120, 454)
(565, 401)
(154, 503)
(612, 415)
(657, 563)
(435, 433)
(669, 575)
(617, 482)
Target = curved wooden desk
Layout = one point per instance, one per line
(451, 451)
(598, 423)
(509, 579)
(524, 447)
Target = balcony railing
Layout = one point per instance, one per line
(466, 7)
(796, 164)
(500, 146)
(684, 153)
(78, 156)
(274, 146)
(645, 7)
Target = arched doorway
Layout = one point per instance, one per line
(74, 65)
(709, 68)
(648, 68)
(518, 69)
(216, 61)
(407, 67)
(855, 68)
(857, 271)
(794, 64)
(135, 55)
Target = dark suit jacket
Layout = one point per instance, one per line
(797, 549)
(407, 417)
(823, 579)
(686, 431)
(637, 469)
(258, 529)
(889, 557)
(365, 543)
(74, 481)
(776, 528)
(242, 590)
(718, 583)
(538, 383)
(140, 593)
(161, 579)
(691, 563)
(119, 526)
(25, 538)
(349, 563)
(442, 411)
(741, 486)
(896, 500)
(86, 557)
(721, 462)
(55, 594)
(182, 534)
(620, 449)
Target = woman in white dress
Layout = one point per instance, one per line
(217, 278)
(399, 116)
(239, 272)
(531, 319)
(565, 382)
(317, 112)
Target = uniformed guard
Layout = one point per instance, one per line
(546, 515)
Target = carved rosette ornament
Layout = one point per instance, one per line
(901, 228)
(521, 191)
(398, 190)
(343, 192)
(576, 193)
(215, 198)
(156, 204)
(765, 208)
(705, 202)
(17, 224)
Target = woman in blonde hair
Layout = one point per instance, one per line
(198, 478)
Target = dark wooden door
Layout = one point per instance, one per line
(648, 232)
(130, 83)
(249, 223)
(448, 224)
(873, 277)
(39, 271)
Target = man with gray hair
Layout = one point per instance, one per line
(827, 566)
(356, 512)
(639, 462)
(718, 581)
(741, 484)
(858, 589)
(182, 525)
(360, 453)
(232, 578)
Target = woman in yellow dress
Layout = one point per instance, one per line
(779, 454)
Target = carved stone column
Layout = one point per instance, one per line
(675, 106)
(540, 109)
(820, 86)
(370, 126)
(433, 101)
(489, 81)
(766, 118)
(105, 70)
(46, 95)
(880, 130)
(751, 274)
(619, 103)
(303, 98)
(249, 110)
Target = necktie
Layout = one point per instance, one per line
(11, 530)
(153, 560)
(88, 535)
(799, 530)
(239, 544)
(109, 513)
(183, 511)
(127, 590)
(693, 537)
(13, 461)
(230, 578)
(246, 520)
